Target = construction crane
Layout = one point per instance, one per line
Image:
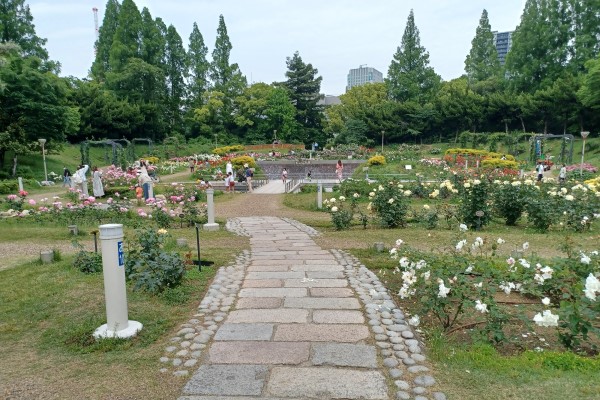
(95, 11)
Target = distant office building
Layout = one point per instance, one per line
(361, 75)
(503, 43)
(329, 100)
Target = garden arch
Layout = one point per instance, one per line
(566, 148)
(117, 151)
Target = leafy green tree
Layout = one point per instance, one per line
(280, 114)
(584, 33)
(127, 40)
(540, 45)
(198, 67)
(226, 77)
(589, 93)
(459, 107)
(176, 73)
(152, 40)
(482, 61)
(106, 32)
(354, 132)
(103, 115)
(409, 76)
(209, 116)
(32, 105)
(303, 87)
(16, 25)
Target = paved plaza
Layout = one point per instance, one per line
(289, 320)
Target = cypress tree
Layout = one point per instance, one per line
(482, 62)
(198, 67)
(106, 32)
(226, 77)
(409, 76)
(175, 58)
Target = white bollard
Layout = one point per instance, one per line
(319, 195)
(151, 190)
(20, 184)
(210, 208)
(113, 266)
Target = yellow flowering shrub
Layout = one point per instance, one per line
(376, 160)
(221, 151)
(499, 163)
(239, 162)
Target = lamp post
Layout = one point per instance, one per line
(42, 142)
(584, 135)
(382, 134)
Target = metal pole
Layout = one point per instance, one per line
(382, 134)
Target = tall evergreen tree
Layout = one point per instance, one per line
(304, 86)
(106, 32)
(409, 76)
(482, 62)
(175, 58)
(226, 77)
(127, 41)
(16, 25)
(539, 50)
(585, 32)
(153, 41)
(198, 67)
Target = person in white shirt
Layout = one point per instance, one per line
(562, 175)
(540, 171)
(144, 180)
(82, 179)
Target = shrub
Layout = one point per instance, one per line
(238, 162)
(376, 160)
(350, 186)
(7, 187)
(151, 159)
(499, 163)
(221, 151)
(510, 200)
(341, 212)
(474, 209)
(390, 204)
(88, 262)
(149, 267)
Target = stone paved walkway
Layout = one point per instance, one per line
(293, 321)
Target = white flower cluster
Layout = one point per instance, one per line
(331, 203)
(592, 286)
(546, 318)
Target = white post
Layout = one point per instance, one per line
(20, 184)
(113, 267)
(319, 195)
(42, 142)
(584, 135)
(151, 190)
(210, 209)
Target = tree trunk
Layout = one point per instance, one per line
(523, 124)
(14, 168)
(506, 126)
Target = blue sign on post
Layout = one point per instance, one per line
(120, 254)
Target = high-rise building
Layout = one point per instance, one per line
(503, 43)
(361, 75)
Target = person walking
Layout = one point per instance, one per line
(540, 171)
(66, 177)
(284, 175)
(230, 183)
(562, 174)
(229, 168)
(97, 186)
(80, 180)
(249, 175)
(339, 170)
(192, 165)
(144, 180)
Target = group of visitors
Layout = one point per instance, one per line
(247, 175)
(78, 180)
(541, 167)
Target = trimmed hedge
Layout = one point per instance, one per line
(480, 153)
(499, 163)
(221, 151)
(376, 160)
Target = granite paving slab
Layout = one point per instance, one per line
(272, 353)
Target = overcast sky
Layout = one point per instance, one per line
(333, 35)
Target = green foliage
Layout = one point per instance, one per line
(474, 210)
(482, 61)
(510, 201)
(410, 78)
(149, 267)
(499, 163)
(88, 262)
(8, 187)
(18, 28)
(303, 87)
(390, 203)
